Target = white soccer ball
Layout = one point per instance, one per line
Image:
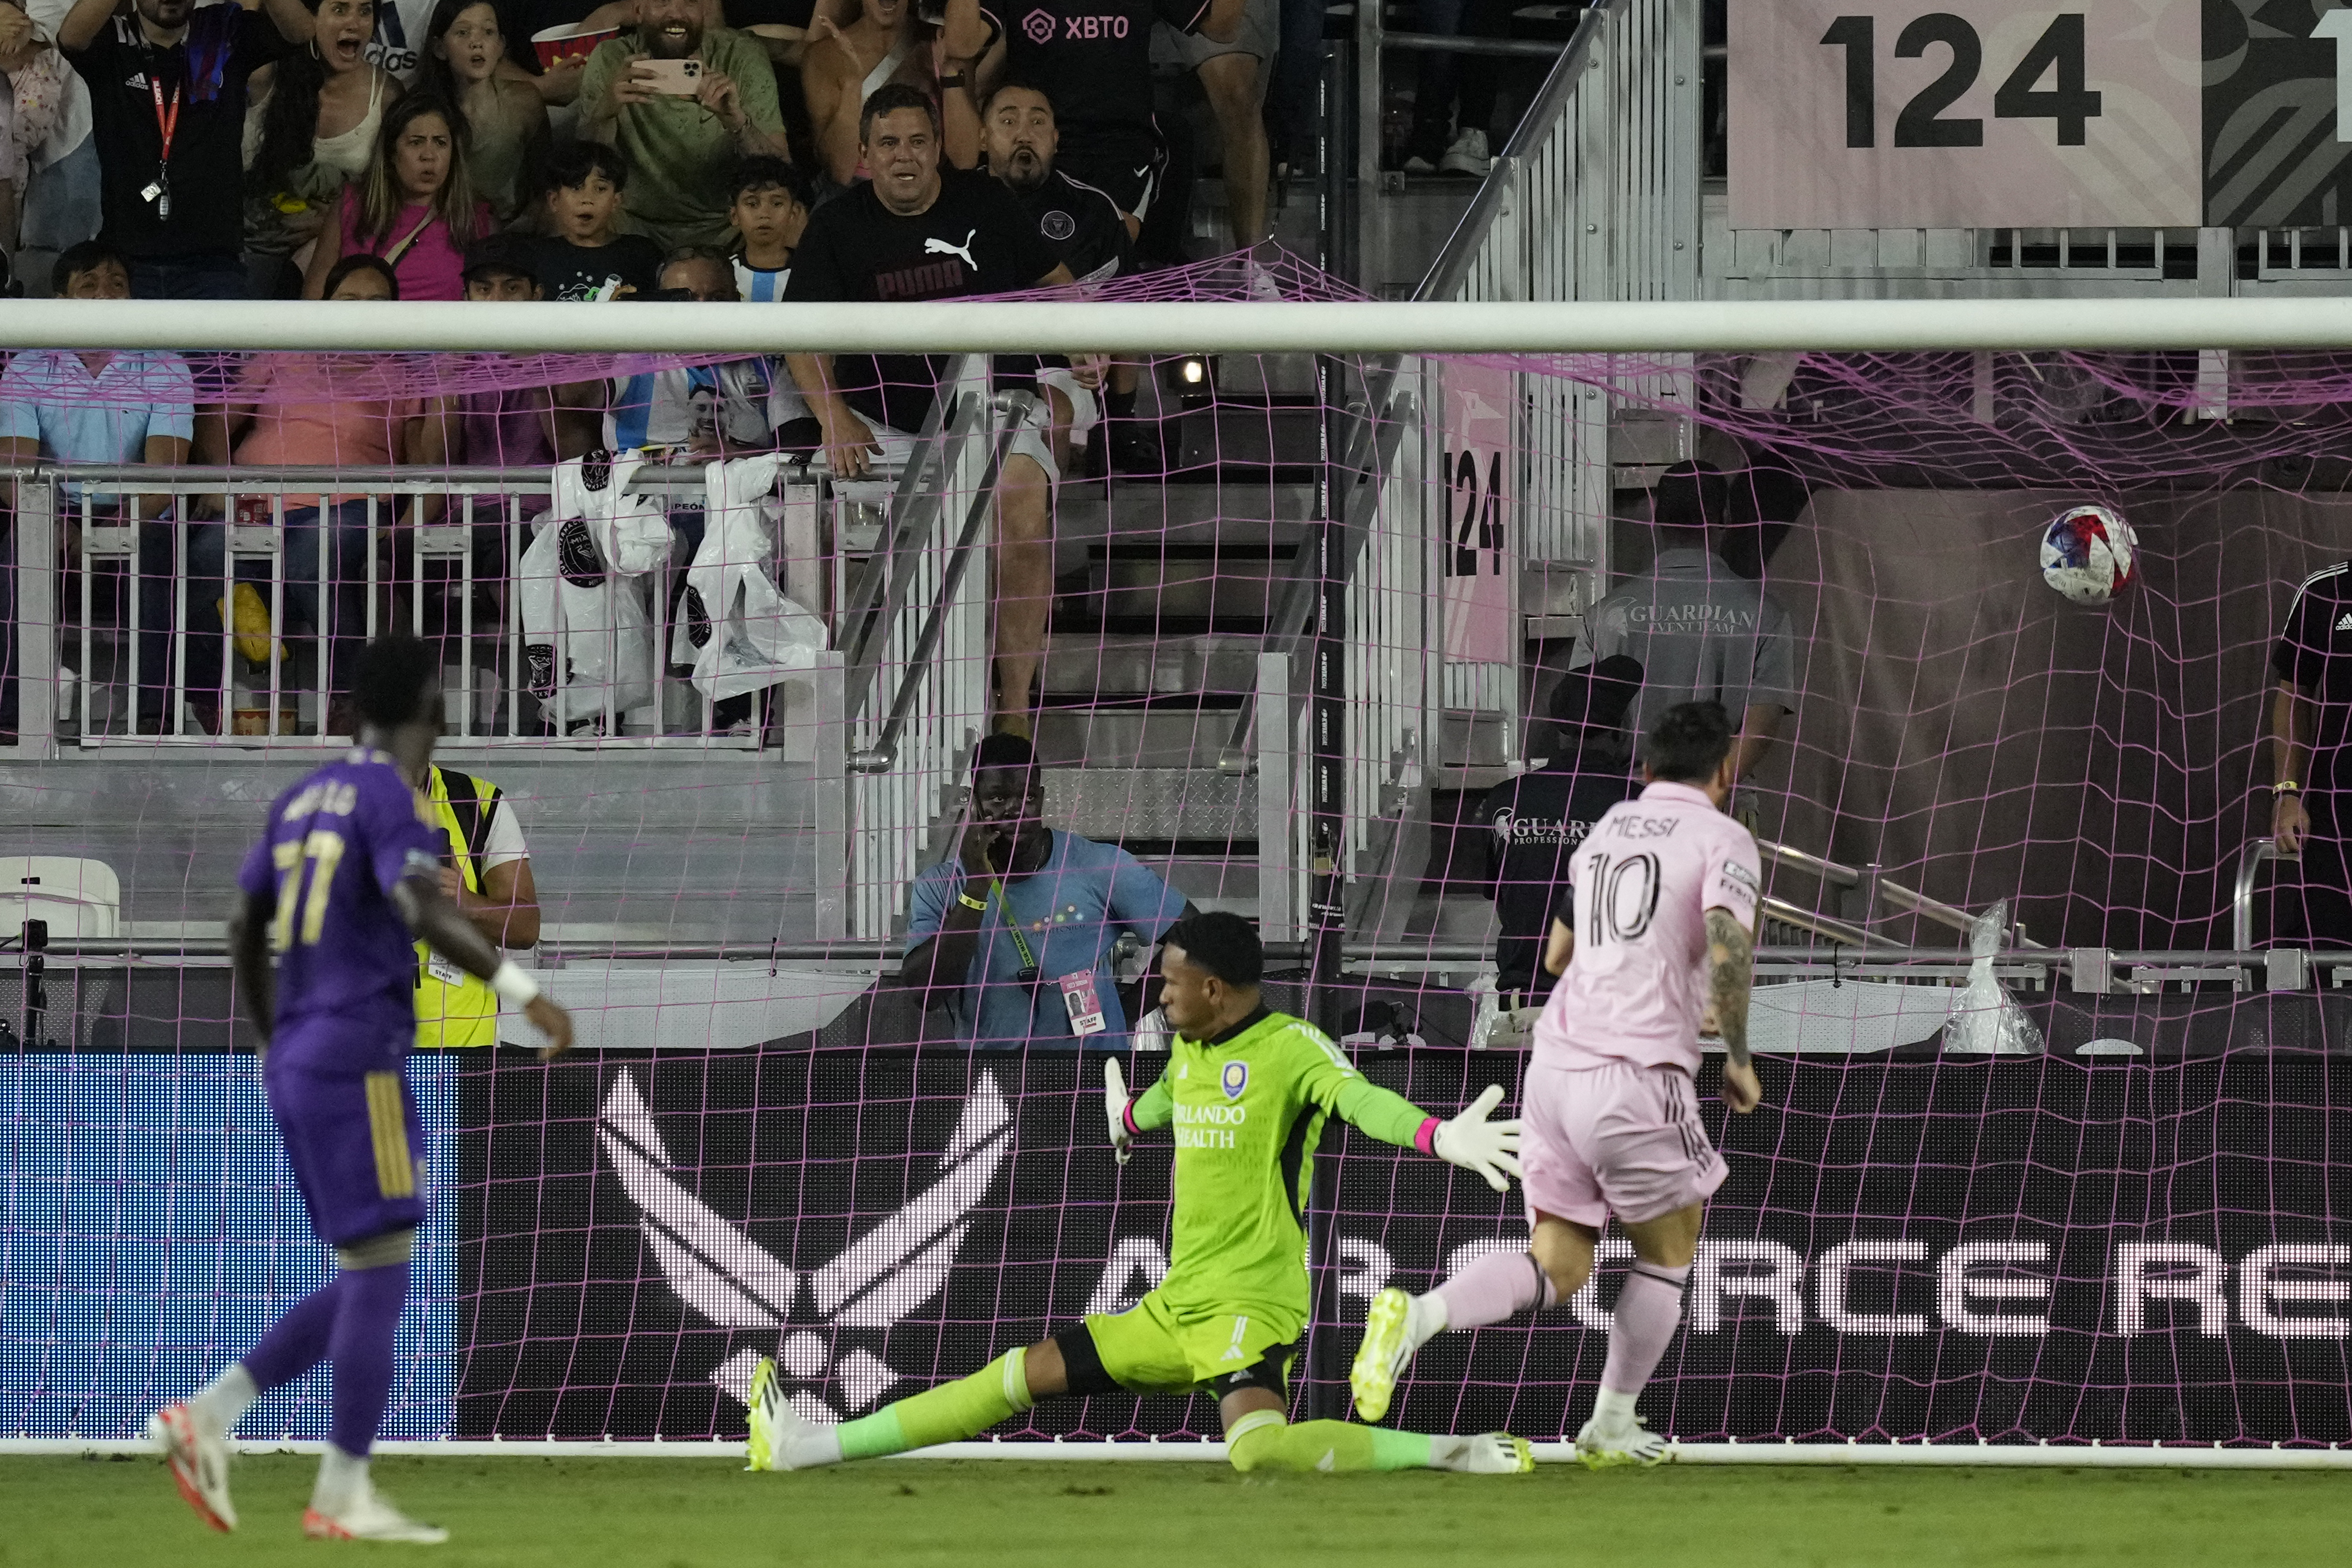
(2090, 554)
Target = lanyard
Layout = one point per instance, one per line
(166, 127)
(1020, 942)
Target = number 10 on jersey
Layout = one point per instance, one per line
(1965, 113)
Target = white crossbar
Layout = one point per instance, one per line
(1078, 327)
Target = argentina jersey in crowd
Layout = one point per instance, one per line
(972, 239)
(336, 844)
(1092, 58)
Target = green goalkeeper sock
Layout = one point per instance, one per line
(1263, 1440)
(948, 1414)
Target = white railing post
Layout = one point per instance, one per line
(1279, 860)
(36, 620)
(829, 783)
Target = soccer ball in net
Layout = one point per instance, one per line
(2090, 554)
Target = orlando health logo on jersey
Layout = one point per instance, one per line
(871, 1285)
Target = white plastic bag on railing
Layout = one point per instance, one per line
(1986, 1020)
(587, 637)
(735, 626)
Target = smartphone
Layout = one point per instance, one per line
(677, 78)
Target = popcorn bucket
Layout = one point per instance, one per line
(567, 42)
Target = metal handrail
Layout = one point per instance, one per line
(1458, 44)
(1804, 918)
(879, 592)
(1012, 407)
(1910, 900)
(1453, 265)
(2241, 901)
(1296, 608)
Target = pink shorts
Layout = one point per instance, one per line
(1618, 1139)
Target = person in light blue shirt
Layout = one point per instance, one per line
(137, 407)
(1014, 937)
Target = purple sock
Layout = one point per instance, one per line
(1649, 1310)
(361, 1352)
(1495, 1287)
(297, 1342)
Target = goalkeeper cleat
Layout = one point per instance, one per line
(1629, 1442)
(368, 1517)
(759, 1453)
(1380, 1360)
(198, 1456)
(1487, 1454)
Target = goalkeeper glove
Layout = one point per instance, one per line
(1474, 1143)
(1115, 1102)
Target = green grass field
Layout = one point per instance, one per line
(692, 1513)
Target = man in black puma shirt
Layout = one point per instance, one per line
(920, 231)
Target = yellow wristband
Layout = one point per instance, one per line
(2286, 786)
(968, 902)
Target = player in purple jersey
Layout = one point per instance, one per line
(346, 877)
(1660, 924)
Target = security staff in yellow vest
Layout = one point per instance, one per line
(487, 872)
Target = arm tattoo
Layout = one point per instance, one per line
(1730, 964)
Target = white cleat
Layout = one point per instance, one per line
(1387, 1349)
(1487, 1454)
(781, 1437)
(198, 1456)
(1627, 1443)
(368, 1517)
(760, 1452)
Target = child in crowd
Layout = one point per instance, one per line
(584, 256)
(415, 209)
(506, 120)
(770, 208)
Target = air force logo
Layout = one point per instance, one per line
(1233, 1078)
(875, 1282)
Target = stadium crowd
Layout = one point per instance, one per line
(576, 150)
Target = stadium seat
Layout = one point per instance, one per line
(78, 898)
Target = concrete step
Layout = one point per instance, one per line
(1095, 666)
(1173, 588)
(1228, 434)
(1180, 734)
(1155, 807)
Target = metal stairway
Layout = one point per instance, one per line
(1164, 588)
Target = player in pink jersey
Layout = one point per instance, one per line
(1657, 935)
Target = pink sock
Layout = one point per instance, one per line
(1649, 1310)
(1495, 1287)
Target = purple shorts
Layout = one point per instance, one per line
(354, 1141)
(1616, 1139)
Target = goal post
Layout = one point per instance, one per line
(2000, 593)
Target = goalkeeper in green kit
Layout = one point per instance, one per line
(1246, 1092)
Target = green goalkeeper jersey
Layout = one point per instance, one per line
(1247, 1111)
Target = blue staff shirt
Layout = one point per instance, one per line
(1070, 913)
